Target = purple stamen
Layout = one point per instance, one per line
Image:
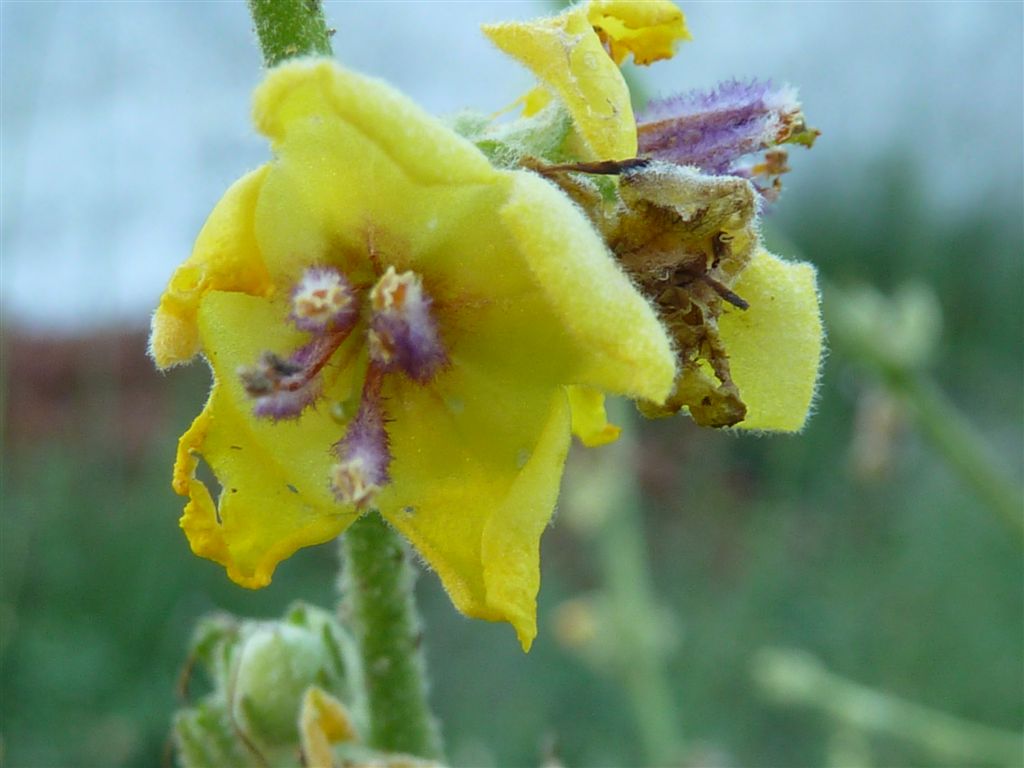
(363, 452)
(323, 301)
(712, 130)
(286, 403)
(403, 334)
(282, 388)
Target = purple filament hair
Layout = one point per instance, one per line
(713, 129)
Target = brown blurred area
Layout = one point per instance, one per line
(97, 392)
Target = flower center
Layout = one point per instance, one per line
(401, 336)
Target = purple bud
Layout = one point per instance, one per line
(403, 333)
(712, 130)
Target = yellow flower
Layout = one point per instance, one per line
(745, 324)
(576, 54)
(378, 287)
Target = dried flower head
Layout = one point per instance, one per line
(682, 217)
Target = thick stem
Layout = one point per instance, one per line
(290, 28)
(377, 605)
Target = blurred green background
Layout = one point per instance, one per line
(884, 565)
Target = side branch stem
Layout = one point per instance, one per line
(794, 677)
(643, 669)
(377, 604)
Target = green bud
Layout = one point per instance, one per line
(259, 672)
(276, 663)
(214, 641)
(787, 675)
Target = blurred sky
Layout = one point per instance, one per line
(123, 122)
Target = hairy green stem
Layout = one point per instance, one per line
(795, 677)
(377, 606)
(290, 28)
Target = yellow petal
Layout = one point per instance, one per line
(362, 171)
(225, 258)
(589, 418)
(307, 91)
(629, 352)
(775, 346)
(317, 205)
(566, 54)
(274, 495)
(649, 29)
(323, 721)
(511, 540)
(461, 449)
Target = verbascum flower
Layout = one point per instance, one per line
(682, 218)
(391, 323)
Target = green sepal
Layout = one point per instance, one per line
(541, 136)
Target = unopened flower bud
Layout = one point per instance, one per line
(277, 663)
